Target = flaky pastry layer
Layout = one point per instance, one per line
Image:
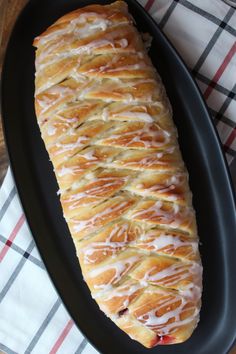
(107, 126)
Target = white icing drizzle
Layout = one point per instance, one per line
(46, 52)
(160, 189)
(131, 67)
(88, 29)
(160, 323)
(99, 217)
(87, 155)
(123, 291)
(73, 170)
(126, 303)
(160, 155)
(142, 117)
(173, 274)
(146, 162)
(156, 138)
(119, 268)
(169, 242)
(87, 90)
(192, 291)
(144, 81)
(64, 147)
(149, 160)
(51, 130)
(82, 18)
(107, 68)
(167, 185)
(67, 121)
(64, 171)
(107, 246)
(123, 42)
(75, 200)
(96, 191)
(41, 66)
(105, 114)
(92, 45)
(72, 26)
(98, 22)
(174, 217)
(104, 247)
(58, 93)
(82, 49)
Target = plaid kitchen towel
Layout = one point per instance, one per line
(204, 32)
(32, 317)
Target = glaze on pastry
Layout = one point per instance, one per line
(107, 125)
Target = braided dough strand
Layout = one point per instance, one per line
(107, 126)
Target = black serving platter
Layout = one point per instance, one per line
(209, 179)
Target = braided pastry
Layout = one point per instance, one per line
(106, 123)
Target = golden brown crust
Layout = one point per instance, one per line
(107, 126)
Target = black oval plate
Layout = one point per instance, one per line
(209, 179)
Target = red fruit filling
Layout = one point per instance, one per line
(162, 340)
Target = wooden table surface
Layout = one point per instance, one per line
(9, 10)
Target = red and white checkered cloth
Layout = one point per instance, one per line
(32, 317)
